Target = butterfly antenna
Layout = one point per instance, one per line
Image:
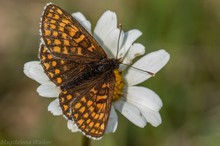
(150, 73)
(120, 28)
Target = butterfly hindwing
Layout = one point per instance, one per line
(65, 37)
(91, 109)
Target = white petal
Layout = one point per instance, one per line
(152, 117)
(111, 42)
(143, 96)
(135, 50)
(72, 126)
(112, 122)
(106, 23)
(34, 70)
(131, 112)
(48, 89)
(82, 20)
(129, 38)
(151, 62)
(54, 108)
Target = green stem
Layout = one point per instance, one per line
(85, 141)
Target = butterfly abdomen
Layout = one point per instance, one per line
(104, 66)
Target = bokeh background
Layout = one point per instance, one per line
(189, 85)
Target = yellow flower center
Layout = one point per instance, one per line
(118, 85)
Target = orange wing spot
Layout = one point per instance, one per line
(57, 71)
(96, 116)
(91, 109)
(73, 49)
(56, 16)
(83, 99)
(68, 114)
(87, 130)
(88, 121)
(56, 49)
(52, 21)
(43, 57)
(59, 11)
(93, 131)
(97, 125)
(62, 61)
(78, 105)
(47, 65)
(79, 39)
(51, 10)
(54, 63)
(102, 126)
(48, 41)
(101, 116)
(94, 91)
(89, 103)
(59, 80)
(101, 97)
(91, 124)
(72, 32)
(62, 99)
(50, 74)
(44, 50)
(66, 43)
(57, 42)
(64, 35)
(64, 92)
(55, 33)
(82, 109)
(86, 115)
(53, 26)
(105, 85)
(76, 116)
(79, 51)
(49, 56)
(66, 21)
(46, 25)
(91, 49)
(62, 24)
(74, 27)
(80, 121)
(65, 50)
(49, 15)
(47, 32)
(69, 97)
(65, 107)
(61, 29)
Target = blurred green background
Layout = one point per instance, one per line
(189, 85)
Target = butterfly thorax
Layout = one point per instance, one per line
(94, 69)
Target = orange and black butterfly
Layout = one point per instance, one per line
(75, 62)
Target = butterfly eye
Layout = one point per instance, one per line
(103, 67)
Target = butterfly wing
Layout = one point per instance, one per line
(59, 70)
(89, 104)
(66, 38)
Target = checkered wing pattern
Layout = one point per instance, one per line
(89, 104)
(67, 52)
(65, 37)
(59, 70)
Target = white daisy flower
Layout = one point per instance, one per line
(139, 105)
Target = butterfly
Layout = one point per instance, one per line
(75, 62)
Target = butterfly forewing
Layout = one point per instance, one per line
(65, 37)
